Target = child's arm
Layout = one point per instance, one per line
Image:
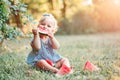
(36, 41)
(55, 43)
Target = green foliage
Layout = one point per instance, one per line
(9, 32)
(4, 15)
(18, 7)
(4, 12)
(8, 8)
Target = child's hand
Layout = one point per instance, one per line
(50, 34)
(35, 31)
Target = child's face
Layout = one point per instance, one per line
(47, 24)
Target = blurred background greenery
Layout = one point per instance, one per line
(79, 16)
(73, 16)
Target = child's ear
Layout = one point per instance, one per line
(53, 31)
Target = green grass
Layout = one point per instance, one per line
(102, 50)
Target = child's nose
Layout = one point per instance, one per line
(45, 26)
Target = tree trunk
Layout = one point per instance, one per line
(52, 5)
(17, 16)
(17, 19)
(64, 8)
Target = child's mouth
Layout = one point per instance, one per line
(43, 31)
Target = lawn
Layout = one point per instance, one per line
(102, 50)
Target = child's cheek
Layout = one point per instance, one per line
(40, 26)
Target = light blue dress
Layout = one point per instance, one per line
(46, 52)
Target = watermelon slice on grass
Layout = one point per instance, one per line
(90, 67)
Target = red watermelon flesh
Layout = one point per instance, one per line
(89, 66)
(49, 62)
(64, 70)
(43, 30)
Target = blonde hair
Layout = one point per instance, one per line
(49, 16)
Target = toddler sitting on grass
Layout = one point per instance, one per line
(44, 44)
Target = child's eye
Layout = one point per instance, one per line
(43, 24)
(49, 26)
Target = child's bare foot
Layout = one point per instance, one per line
(55, 70)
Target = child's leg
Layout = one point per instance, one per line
(64, 66)
(44, 65)
(61, 62)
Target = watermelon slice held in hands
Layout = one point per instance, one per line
(43, 30)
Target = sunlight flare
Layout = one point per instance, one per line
(87, 2)
(117, 2)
